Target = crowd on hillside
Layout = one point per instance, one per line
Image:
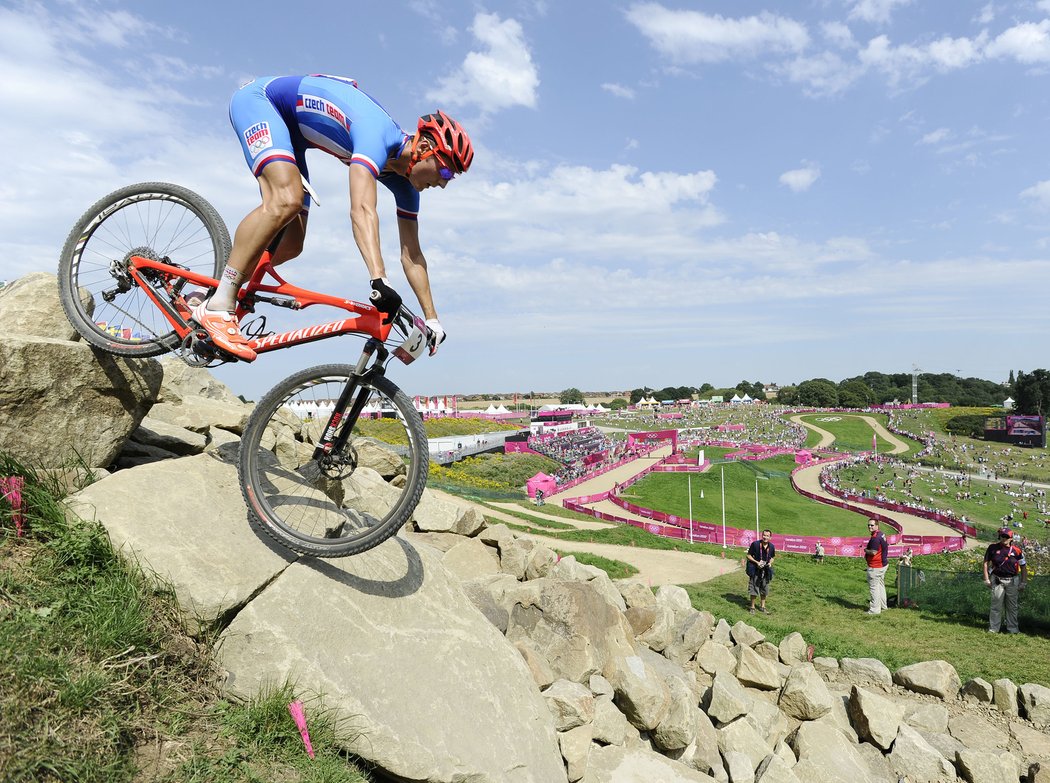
(580, 451)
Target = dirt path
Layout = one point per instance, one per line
(827, 439)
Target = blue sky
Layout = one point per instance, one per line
(663, 193)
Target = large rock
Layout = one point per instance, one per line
(616, 764)
(754, 670)
(1035, 703)
(975, 732)
(200, 414)
(60, 400)
(439, 515)
(727, 699)
(865, 671)
(804, 695)
(1006, 696)
(196, 538)
(825, 755)
(182, 381)
(793, 649)
(394, 629)
(570, 703)
(937, 678)
(740, 736)
(176, 440)
(916, 760)
(641, 693)
(30, 306)
(875, 718)
(572, 624)
(979, 766)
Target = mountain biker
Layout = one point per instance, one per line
(277, 119)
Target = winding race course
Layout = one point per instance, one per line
(662, 566)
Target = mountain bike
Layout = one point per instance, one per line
(334, 458)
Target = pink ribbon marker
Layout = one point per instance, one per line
(296, 709)
(11, 489)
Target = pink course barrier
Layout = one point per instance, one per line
(672, 526)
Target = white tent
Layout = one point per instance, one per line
(736, 398)
(491, 409)
(502, 409)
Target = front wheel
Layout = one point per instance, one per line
(348, 501)
(155, 220)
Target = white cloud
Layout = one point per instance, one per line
(618, 90)
(801, 180)
(1038, 193)
(986, 15)
(935, 137)
(693, 37)
(838, 35)
(823, 74)
(500, 76)
(875, 11)
(1027, 43)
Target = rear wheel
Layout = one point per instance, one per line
(156, 220)
(346, 502)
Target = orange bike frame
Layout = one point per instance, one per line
(364, 320)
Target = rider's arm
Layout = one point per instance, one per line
(365, 219)
(415, 265)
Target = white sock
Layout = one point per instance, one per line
(225, 297)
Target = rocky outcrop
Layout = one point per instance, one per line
(457, 651)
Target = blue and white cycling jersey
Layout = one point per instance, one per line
(280, 117)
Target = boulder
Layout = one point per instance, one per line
(175, 440)
(619, 764)
(1035, 703)
(182, 381)
(937, 678)
(569, 568)
(635, 593)
(197, 539)
(30, 306)
(722, 633)
(979, 766)
(741, 737)
(927, 717)
(199, 414)
(393, 626)
(660, 632)
(754, 670)
(677, 600)
(688, 637)
(825, 755)
(746, 635)
(875, 718)
(1006, 697)
(713, 657)
(775, 769)
(610, 725)
(641, 693)
(975, 732)
(977, 690)
(575, 744)
(915, 759)
(541, 671)
(739, 766)
(865, 671)
(62, 402)
(438, 515)
(470, 559)
(1034, 744)
(678, 727)
(726, 700)
(804, 695)
(573, 626)
(570, 703)
(793, 649)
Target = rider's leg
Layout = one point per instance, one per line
(282, 199)
(291, 244)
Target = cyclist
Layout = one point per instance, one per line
(277, 119)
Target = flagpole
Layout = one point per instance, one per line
(756, 506)
(690, 509)
(723, 507)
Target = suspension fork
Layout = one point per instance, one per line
(330, 441)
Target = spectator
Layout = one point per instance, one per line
(760, 556)
(876, 553)
(1006, 573)
(818, 552)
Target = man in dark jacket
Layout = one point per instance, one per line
(760, 556)
(1006, 573)
(876, 553)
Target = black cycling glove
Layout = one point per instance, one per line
(385, 299)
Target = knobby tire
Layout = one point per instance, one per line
(153, 219)
(343, 512)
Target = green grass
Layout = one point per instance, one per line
(780, 507)
(986, 505)
(853, 434)
(97, 668)
(826, 604)
(614, 568)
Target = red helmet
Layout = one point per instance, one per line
(449, 139)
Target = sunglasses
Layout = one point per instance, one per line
(444, 168)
